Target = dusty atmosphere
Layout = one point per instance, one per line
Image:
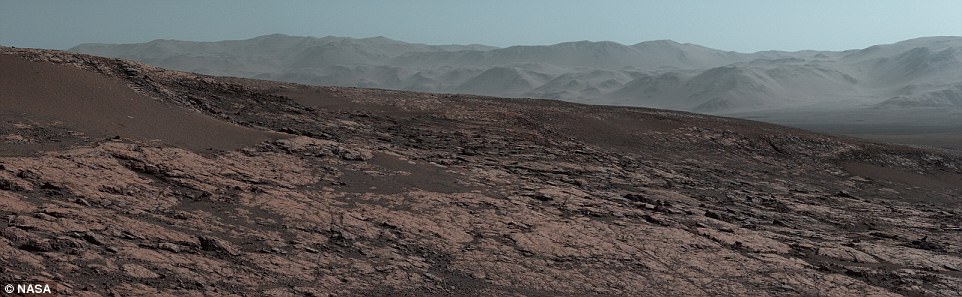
(146, 181)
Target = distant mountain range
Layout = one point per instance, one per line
(923, 72)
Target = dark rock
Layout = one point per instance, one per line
(82, 201)
(541, 197)
(351, 154)
(92, 238)
(33, 245)
(44, 216)
(7, 185)
(883, 235)
(218, 245)
(713, 215)
(68, 245)
(653, 220)
(342, 237)
(111, 190)
(844, 194)
(925, 244)
(129, 235)
(27, 174)
(638, 198)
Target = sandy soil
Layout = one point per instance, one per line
(99, 106)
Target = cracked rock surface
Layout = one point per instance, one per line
(278, 189)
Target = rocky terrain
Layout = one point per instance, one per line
(118, 178)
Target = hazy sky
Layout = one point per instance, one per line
(744, 26)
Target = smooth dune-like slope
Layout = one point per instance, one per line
(99, 106)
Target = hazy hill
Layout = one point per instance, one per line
(275, 53)
(664, 73)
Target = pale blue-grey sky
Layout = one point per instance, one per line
(739, 25)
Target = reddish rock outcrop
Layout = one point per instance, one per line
(291, 190)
